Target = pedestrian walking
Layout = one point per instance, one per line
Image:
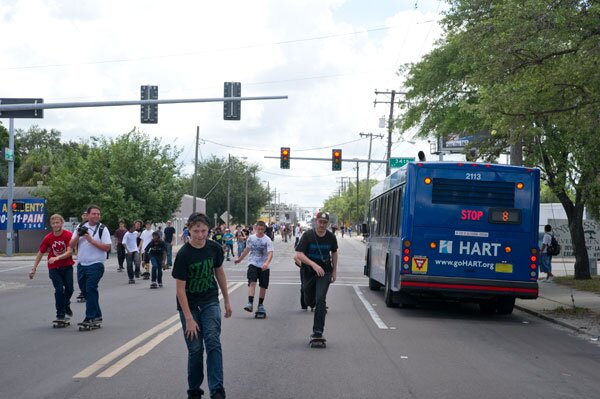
(185, 234)
(260, 248)
(60, 265)
(546, 257)
(297, 234)
(169, 235)
(145, 238)
(197, 264)
(132, 253)
(92, 241)
(228, 240)
(156, 251)
(240, 237)
(84, 219)
(119, 233)
(317, 251)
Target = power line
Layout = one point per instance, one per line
(205, 51)
(262, 150)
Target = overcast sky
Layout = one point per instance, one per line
(328, 56)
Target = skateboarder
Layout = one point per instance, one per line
(317, 250)
(92, 241)
(197, 264)
(60, 266)
(156, 251)
(260, 248)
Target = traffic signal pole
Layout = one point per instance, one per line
(11, 187)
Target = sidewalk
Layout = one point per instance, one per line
(555, 299)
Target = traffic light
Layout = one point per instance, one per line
(285, 158)
(232, 110)
(149, 112)
(336, 159)
(18, 206)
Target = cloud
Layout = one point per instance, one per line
(323, 54)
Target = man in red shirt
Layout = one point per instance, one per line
(60, 265)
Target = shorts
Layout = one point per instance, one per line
(257, 274)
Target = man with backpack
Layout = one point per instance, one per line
(92, 241)
(547, 250)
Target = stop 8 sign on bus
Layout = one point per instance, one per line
(33, 217)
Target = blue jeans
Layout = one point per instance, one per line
(546, 263)
(62, 280)
(169, 254)
(88, 277)
(229, 249)
(208, 318)
(241, 246)
(315, 295)
(156, 269)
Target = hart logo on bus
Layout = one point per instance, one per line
(468, 214)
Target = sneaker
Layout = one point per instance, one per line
(219, 394)
(160, 286)
(153, 285)
(316, 336)
(137, 275)
(131, 281)
(248, 307)
(304, 308)
(261, 309)
(97, 320)
(195, 394)
(549, 279)
(68, 311)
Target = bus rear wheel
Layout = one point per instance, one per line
(505, 305)
(374, 285)
(388, 295)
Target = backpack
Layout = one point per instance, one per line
(554, 247)
(100, 230)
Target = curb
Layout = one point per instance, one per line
(555, 321)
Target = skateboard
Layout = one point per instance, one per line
(260, 315)
(88, 326)
(318, 342)
(60, 323)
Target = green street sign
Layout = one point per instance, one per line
(399, 162)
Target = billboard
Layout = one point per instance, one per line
(591, 230)
(31, 217)
(456, 142)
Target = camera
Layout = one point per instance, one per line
(82, 230)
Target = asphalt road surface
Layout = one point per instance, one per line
(434, 351)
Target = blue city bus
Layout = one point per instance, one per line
(456, 231)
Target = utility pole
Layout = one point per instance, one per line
(367, 186)
(392, 102)
(194, 184)
(357, 189)
(228, 188)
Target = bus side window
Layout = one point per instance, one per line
(400, 206)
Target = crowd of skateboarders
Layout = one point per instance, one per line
(198, 272)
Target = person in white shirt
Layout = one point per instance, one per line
(92, 241)
(260, 248)
(132, 253)
(145, 238)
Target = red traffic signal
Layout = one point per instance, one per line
(336, 159)
(284, 158)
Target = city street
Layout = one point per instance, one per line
(434, 351)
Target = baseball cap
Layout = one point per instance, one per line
(323, 215)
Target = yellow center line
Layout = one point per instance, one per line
(141, 351)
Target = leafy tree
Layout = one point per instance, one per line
(130, 177)
(529, 72)
(212, 180)
(344, 205)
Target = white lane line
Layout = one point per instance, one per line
(370, 309)
(142, 350)
(14, 268)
